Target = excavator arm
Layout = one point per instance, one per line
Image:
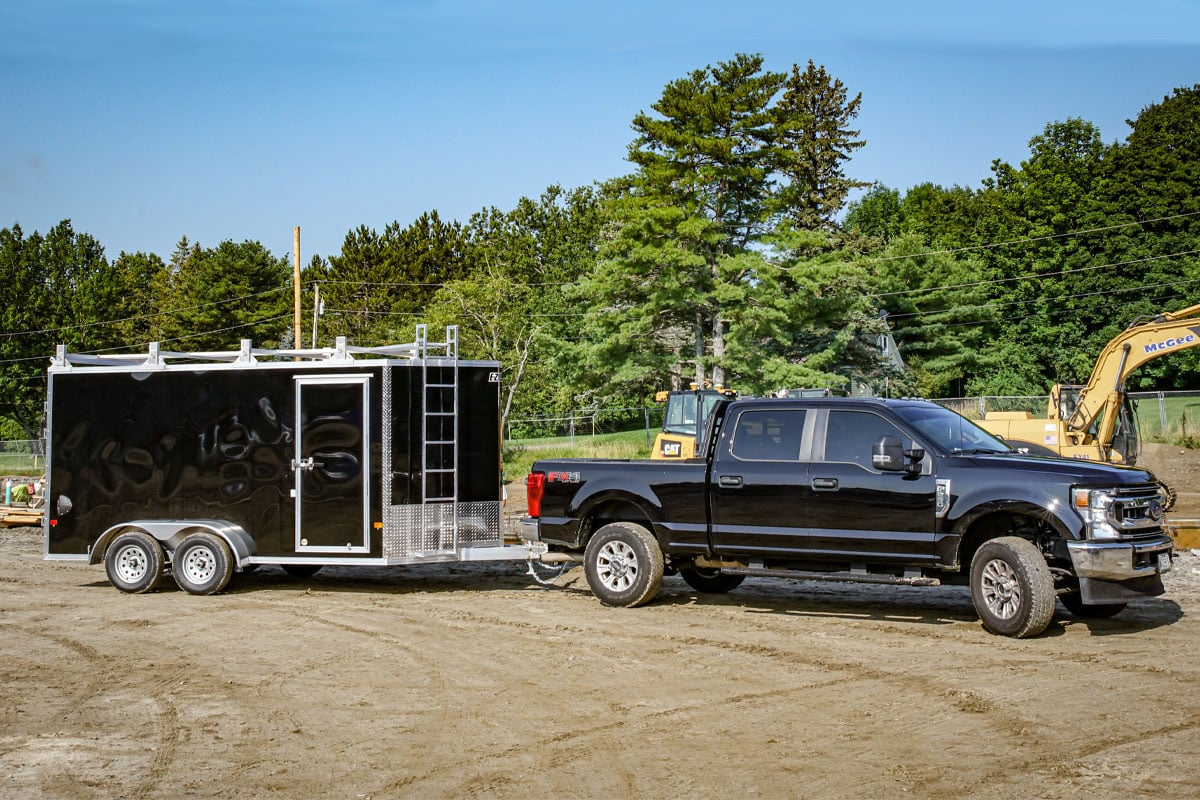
(1145, 339)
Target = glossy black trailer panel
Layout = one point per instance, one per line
(387, 460)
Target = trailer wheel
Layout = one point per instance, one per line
(202, 564)
(1074, 603)
(134, 562)
(1011, 587)
(624, 565)
(709, 581)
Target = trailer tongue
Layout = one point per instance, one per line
(204, 465)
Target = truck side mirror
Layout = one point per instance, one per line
(888, 454)
(915, 457)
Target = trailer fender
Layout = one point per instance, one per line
(170, 532)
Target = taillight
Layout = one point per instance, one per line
(535, 487)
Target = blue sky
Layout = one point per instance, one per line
(144, 121)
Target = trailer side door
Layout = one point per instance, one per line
(332, 468)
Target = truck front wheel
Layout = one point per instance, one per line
(709, 581)
(1012, 588)
(624, 565)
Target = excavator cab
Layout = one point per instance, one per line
(1126, 444)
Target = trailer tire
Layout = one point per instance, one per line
(1011, 587)
(709, 581)
(134, 562)
(624, 565)
(202, 564)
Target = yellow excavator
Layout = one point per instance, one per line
(1095, 421)
(683, 420)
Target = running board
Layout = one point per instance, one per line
(841, 577)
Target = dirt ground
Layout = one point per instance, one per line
(470, 680)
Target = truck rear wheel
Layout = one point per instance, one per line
(134, 562)
(624, 565)
(202, 564)
(1011, 587)
(709, 581)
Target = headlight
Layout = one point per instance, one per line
(1095, 506)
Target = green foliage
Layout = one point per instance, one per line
(215, 297)
(813, 142)
(375, 288)
(719, 257)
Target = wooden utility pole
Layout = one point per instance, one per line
(296, 287)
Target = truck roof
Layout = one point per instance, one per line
(772, 402)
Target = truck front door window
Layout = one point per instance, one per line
(851, 435)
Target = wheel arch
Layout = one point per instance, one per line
(994, 520)
(616, 508)
(170, 532)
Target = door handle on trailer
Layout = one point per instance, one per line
(824, 483)
(731, 481)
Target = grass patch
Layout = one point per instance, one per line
(519, 454)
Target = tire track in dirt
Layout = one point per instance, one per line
(105, 678)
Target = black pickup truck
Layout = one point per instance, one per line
(884, 491)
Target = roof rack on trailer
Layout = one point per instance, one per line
(156, 358)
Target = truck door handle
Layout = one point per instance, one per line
(824, 483)
(731, 481)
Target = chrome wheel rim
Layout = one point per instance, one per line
(617, 566)
(1001, 589)
(199, 565)
(131, 563)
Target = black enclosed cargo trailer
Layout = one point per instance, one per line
(205, 464)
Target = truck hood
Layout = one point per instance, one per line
(1077, 471)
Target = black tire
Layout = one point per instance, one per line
(709, 581)
(134, 562)
(202, 564)
(624, 565)
(301, 570)
(1012, 588)
(1074, 603)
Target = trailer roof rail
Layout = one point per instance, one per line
(156, 358)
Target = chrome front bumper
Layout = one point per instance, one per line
(1121, 561)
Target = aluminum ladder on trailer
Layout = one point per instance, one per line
(439, 442)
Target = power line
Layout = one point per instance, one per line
(1033, 239)
(1038, 275)
(86, 325)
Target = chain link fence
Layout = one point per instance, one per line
(1170, 417)
(587, 422)
(22, 456)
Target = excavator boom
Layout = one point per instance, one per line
(1145, 339)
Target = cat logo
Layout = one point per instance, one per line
(672, 449)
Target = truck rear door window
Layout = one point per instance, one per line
(769, 435)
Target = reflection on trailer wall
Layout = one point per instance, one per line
(181, 445)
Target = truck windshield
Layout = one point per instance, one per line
(950, 432)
